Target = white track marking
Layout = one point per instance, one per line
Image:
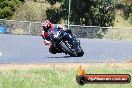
(0, 54)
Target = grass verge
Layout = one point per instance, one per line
(58, 75)
(119, 34)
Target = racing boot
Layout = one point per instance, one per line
(53, 50)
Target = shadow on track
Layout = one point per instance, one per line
(60, 57)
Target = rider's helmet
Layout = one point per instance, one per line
(46, 25)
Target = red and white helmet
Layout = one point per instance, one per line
(46, 25)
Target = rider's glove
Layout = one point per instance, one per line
(46, 42)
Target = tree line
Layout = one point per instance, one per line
(83, 12)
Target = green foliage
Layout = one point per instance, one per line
(126, 7)
(52, 2)
(127, 10)
(130, 19)
(22, 0)
(1, 0)
(84, 12)
(31, 11)
(90, 12)
(8, 7)
(54, 15)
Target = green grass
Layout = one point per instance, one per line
(61, 77)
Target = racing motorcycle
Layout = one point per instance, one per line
(66, 43)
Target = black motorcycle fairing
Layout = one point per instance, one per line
(66, 42)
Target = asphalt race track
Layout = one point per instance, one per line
(24, 49)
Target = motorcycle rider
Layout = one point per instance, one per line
(47, 28)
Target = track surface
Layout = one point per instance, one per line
(23, 49)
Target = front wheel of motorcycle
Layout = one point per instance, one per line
(66, 47)
(80, 53)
